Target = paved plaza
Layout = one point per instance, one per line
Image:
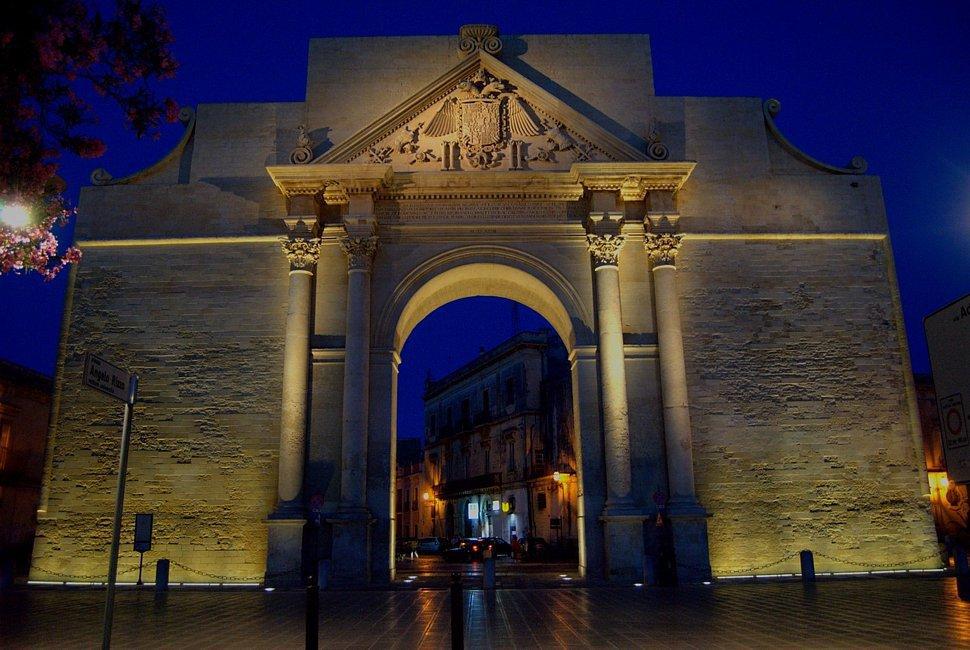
(913, 612)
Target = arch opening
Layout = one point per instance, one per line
(484, 279)
(482, 448)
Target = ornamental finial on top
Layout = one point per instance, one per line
(472, 38)
(303, 152)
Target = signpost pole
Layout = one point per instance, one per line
(109, 604)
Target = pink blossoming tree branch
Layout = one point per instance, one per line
(53, 52)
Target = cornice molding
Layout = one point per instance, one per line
(337, 180)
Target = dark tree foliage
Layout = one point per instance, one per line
(53, 53)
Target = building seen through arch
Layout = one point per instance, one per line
(499, 445)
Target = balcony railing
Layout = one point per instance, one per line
(462, 486)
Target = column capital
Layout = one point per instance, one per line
(360, 251)
(662, 248)
(302, 252)
(605, 249)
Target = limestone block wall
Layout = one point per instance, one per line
(802, 429)
(202, 325)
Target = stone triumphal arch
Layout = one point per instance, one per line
(727, 302)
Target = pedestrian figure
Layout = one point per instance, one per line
(414, 550)
(516, 548)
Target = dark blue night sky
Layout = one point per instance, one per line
(887, 80)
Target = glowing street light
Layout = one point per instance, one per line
(15, 215)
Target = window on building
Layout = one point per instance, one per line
(509, 391)
(415, 530)
(466, 412)
(5, 444)
(467, 462)
(511, 455)
(486, 407)
(539, 457)
(541, 501)
(488, 460)
(399, 497)
(432, 431)
(407, 499)
(451, 421)
(414, 500)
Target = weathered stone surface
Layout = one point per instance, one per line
(802, 434)
(202, 325)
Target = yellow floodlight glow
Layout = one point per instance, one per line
(505, 506)
(939, 484)
(15, 215)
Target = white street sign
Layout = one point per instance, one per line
(110, 380)
(948, 336)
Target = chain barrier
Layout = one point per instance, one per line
(877, 565)
(760, 566)
(220, 578)
(864, 565)
(104, 578)
(81, 576)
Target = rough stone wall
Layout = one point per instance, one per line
(202, 325)
(802, 433)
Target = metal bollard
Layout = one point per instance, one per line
(488, 574)
(312, 614)
(808, 566)
(323, 573)
(457, 614)
(649, 571)
(161, 575)
(963, 572)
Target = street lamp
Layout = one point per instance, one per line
(15, 215)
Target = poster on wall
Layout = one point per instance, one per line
(948, 338)
(473, 510)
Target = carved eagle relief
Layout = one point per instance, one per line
(486, 124)
(486, 115)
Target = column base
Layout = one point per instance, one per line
(350, 564)
(284, 551)
(623, 537)
(688, 522)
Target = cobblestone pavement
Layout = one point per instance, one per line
(899, 612)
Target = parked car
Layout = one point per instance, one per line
(432, 545)
(499, 546)
(468, 549)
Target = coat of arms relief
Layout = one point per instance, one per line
(483, 124)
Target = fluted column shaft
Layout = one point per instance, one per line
(353, 475)
(302, 253)
(662, 250)
(616, 426)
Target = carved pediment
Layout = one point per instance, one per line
(483, 115)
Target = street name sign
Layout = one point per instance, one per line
(948, 337)
(107, 378)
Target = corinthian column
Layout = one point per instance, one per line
(302, 251)
(605, 250)
(360, 252)
(662, 250)
(688, 518)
